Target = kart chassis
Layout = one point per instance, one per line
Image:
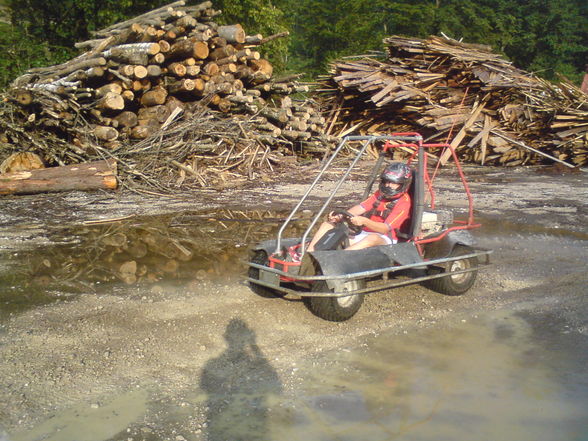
(407, 262)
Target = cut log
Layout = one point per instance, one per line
(127, 272)
(217, 42)
(158, 113)
(154, 70)
(86, 176)
(199, 86)
(192, 71)
(95, 72)
(140, 72)
(188, 48)
(176, 69)
(127, 119)
(157, 59)
(230, 68)
(111, 101)
(277, 116)
(134, 53)
(23, 97)
(187, 22)
(254, 39)
(164, 46)
(154, 97)
(263, 70)
(106, 133)
(232, 33)
(172, 103)
(223, 52)
(128, 95)
(20, 162)
(184, 85)
(228, 60)
(295, 135)
(145, 129)
(210, 69)
(224, 105)
(243, 54)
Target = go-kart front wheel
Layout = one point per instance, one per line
(456, 284)
(260, 258)
(335, 309)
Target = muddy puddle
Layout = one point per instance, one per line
(102, 257)
(96, 257)
(506, 375)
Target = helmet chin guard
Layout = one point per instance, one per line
(398, 173)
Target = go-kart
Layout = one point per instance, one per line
(433, 248)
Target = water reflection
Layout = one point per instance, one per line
(239, 384)
(89, 422)
(178, 247)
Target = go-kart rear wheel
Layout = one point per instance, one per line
(335, 309)
(456, 284)
(260, 257)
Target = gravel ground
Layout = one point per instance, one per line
(151, 343)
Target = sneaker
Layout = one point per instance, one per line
(294, 254)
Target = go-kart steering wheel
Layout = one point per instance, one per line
(355, 229)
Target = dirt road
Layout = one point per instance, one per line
(146, 358)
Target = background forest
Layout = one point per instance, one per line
(548, 37)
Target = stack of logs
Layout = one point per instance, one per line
(136, 77)
(490, 111)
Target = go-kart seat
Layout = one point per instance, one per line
(410, 226)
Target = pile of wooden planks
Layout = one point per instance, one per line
(464, 94)
(138, 77)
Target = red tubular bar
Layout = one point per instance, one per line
(427, 178)
(436, 238)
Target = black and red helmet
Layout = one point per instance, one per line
(398, 173)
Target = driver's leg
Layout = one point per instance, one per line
(371, 240)
(325, 226)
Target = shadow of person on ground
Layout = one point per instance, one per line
(238, 384)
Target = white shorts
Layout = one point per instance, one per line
(364, 234)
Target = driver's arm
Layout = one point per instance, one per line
(378, 227)
(358, 219)
(357, 210)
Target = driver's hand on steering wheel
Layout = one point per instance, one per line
(358, 220)
(335, 218)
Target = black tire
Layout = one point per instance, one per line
(335, 309)
(260, 258)
(459, 283)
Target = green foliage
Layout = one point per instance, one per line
(22, 52)
(64, 22)
(43, 32)
(552, 36)
(258, 17)
(544, 36)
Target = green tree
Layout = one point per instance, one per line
(20, 52)
(552, 36)
(545, 36)
(258, 17)
(64, 22)
(43, 32)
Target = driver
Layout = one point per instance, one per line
(380, 215)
